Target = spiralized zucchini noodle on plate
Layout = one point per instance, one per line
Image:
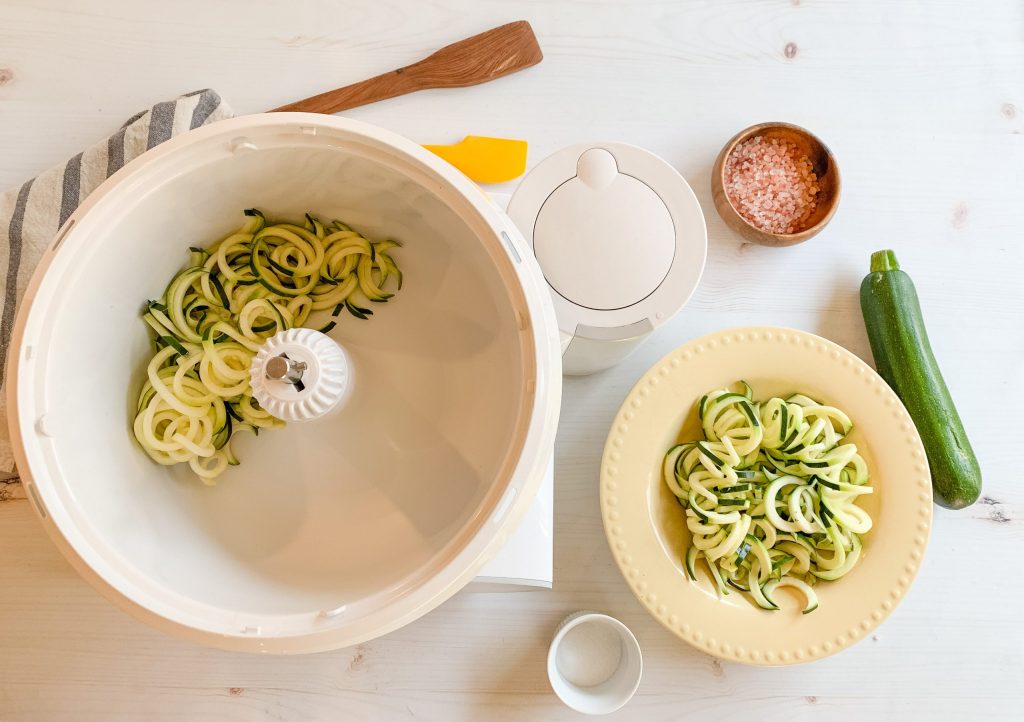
(770, 494)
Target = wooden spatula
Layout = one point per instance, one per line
(489, 55)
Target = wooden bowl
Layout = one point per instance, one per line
(824, 167)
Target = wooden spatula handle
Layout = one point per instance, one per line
(483, 57)
(380, 87)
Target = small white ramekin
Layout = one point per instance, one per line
(594, 663)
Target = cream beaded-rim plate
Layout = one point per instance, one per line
(646, 527)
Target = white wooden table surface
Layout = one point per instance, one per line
(922, 102)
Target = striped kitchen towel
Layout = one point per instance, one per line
(31, 215)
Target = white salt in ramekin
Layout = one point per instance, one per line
(594, 663)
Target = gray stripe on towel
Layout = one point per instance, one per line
(161, 123)
(115, 151)
(13, 266)
(72, 188)
(208, 102)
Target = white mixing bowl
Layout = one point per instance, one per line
(329, 533)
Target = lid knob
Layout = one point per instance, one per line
(597, 168)
(300, 375)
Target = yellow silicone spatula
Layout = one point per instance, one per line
(485, 160)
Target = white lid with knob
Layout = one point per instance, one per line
(300, 375)
(622, 242)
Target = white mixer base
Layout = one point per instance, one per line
(526, 562)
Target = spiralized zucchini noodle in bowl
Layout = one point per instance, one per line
(217, 312)
(770, 494)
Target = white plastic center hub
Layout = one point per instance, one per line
(604, 239)
(322, 385)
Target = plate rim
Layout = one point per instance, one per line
(633, 572)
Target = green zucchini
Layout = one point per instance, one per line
(904, 359)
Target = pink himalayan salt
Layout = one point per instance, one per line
(771, 183)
